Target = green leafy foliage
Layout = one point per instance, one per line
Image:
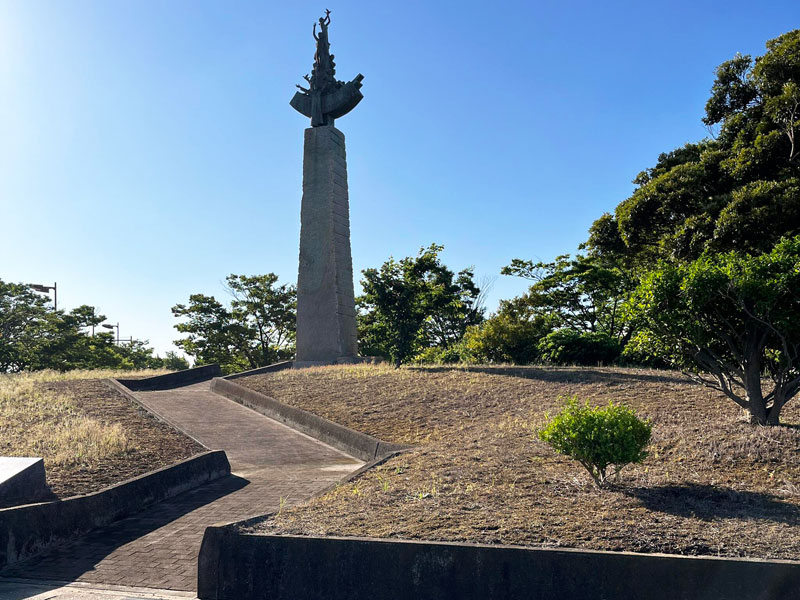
(23, 315)
(416, 303)
(739, 191)
(701, 235)
(598, 437)
(570, 347)
(34, 336)
(507, 337)
(256, 330)
(729, 319)
(571, 314)
(174, 361)
(434, 355)
(582, 293)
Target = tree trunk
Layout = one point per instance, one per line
(774, 417)
(774, 414)
(755, 396)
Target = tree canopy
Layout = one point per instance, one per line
(34, 336)
(583, 293)
(416, 303)
(739, 191)
(729, 319)
(675, 253)
(256, 330)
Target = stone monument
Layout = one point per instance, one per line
(326, 313)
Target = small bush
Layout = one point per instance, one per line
(441, 356)
(569, 347)
(504, 338)
(598, 437)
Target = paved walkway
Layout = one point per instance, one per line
(272, 465)
(21, 589)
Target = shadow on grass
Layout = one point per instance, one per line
(564, 374)
(708, 502)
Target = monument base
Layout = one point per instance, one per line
(344, 360)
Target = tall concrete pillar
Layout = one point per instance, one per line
(326, 314)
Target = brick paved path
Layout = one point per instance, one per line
(158, 547)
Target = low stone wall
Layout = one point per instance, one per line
(234, 566)
(22, 480)
(27, 530)
(172, 380)
(287, 364)
(355, 443)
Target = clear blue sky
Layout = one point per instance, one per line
(147, 148)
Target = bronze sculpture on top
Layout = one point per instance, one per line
(325, 98)
(326, 312)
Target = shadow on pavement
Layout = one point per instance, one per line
(70, 560)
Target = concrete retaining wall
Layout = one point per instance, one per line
(22, 480)
(172, 380)
(235, 566)
(355, 443)
(26, 530)
(287, 364)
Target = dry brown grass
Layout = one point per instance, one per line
(713, 484)
(88, 435)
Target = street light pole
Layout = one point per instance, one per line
(111, 326)
(46, 290)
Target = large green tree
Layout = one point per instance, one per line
(584, 294)
(415, 303)
(257, 329)
(23, 315)
(570, 314)
(732, 320)
(739, 191)
(736, 192)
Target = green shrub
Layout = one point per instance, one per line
(435, 355)
(570, 347)
(503, 338)
(598, 437)
(645, 350)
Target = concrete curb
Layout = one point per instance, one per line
(234, 566)
(172, 380)
(29, 529)
(115, 385)
(362, 446)
(287, 364)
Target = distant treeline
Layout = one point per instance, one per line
(34, 336)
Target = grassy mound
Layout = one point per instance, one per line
(88, 435)
(712, 483)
